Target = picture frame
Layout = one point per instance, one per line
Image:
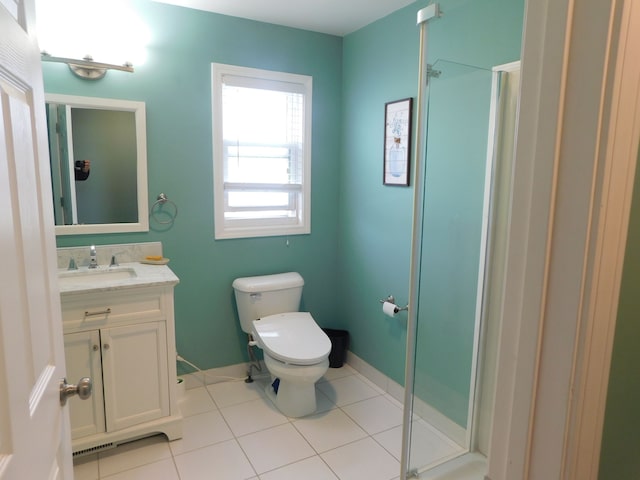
(397, 142)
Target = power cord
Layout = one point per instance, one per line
(205, 374)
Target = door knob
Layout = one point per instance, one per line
(82, 389)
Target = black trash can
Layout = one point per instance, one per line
(339, 344)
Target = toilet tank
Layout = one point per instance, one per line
(257, 297)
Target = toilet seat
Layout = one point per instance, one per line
(293, 338)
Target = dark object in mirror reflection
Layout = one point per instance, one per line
(82, 169)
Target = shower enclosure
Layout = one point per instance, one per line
(461, 185)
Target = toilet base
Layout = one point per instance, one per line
(296, 395)
(293, 400)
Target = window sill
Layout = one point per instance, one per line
(254, 232)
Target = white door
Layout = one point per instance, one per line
(34, 428)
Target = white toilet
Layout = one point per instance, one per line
(296, 350)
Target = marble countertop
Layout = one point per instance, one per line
(105, 278)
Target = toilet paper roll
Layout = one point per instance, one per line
(390, 309)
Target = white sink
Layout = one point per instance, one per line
(97, 276)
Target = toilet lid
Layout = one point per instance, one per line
(292, 338)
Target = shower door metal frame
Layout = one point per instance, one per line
(424, 75)
(424, 15)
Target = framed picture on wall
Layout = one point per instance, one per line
(397, 142)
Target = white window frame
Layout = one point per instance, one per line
(264, 227)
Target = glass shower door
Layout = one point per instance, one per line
(452, 258)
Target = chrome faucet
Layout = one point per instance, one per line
(93, 258)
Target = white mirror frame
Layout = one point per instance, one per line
(138, 108)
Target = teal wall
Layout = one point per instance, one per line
(174, 83)
(380, 64)
(619, 457)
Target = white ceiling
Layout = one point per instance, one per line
(336, 17)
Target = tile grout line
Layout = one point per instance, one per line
(377, 390)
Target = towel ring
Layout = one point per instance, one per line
(161, 200)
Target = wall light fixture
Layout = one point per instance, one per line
(77, 31)
(87, 68)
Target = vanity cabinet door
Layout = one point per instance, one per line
(82, 356)
(135, 374)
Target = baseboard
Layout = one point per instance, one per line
(450, 428)
(375, 376)
(420, 408)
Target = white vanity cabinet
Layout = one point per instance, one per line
(124, 340)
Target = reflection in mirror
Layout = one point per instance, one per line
(98, 164)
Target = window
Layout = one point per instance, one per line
(261, 152)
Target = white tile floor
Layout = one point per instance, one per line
(232, 431)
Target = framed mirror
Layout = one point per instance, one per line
(98, 151)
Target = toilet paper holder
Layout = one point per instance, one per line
(392, 299)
